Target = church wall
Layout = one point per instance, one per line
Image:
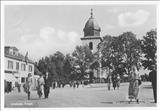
(94, 41)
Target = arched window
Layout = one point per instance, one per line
(90, 45)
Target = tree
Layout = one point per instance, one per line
(111, 49)
(68, 67)
(83, 58)
(53, 65)
(149, 50)
(41, 66)
(59, 63)
(130, 49)
(106, 50)
(120, 53)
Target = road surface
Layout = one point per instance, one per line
(95, 95)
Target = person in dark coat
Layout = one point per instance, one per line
(114, 81)
(109, 80)
(153, 79)
(77, 83)
(46, 85)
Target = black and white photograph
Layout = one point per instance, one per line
(79, 54)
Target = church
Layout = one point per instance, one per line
(92, 38)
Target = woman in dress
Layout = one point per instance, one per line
(28, 85)
(109, 79)
(118, 81)
(134, 84)
(40, 86)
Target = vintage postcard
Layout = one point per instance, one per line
(94, 54)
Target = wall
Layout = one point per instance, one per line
(94, 41)
(19, 73)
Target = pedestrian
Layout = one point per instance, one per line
(82, 82)
(19, 86)
(109, 80)
(54, 85)
(28, 85)
(153, 79)
(77, 83)
(40, 82)
(118, 81)
(74, 84)
(114, 81)
(46, 85)
(63, 84)
(134, 83)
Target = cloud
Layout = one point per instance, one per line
(109, 27)
(48, 41)
(113, 10)
(132, 19)
(46, 32)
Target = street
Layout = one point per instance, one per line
(94, 95)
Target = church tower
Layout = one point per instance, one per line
(92, 39)
(91, 34)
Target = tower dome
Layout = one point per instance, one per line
(91, 27)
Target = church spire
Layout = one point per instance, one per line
(91, 13)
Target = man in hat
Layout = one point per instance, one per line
(46, 85)
(153, 79)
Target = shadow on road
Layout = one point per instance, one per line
(107, 102)
(35, 99)
(147, 86)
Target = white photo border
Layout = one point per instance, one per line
(4, 3)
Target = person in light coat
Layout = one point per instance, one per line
(40, 86)
(134, 84)
(29, 85)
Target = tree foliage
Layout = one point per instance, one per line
(83, 58)
(149, 50)
(118, 53)
(121, 52)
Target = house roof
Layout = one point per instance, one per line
(18, 56)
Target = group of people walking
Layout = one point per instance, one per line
(43, 86)
(115, 80)
(134, 83)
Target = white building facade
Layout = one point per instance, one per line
(17, 67)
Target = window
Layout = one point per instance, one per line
(11, 51)
(10, 64)
(90, 45)
(17, 65)
(22, 79)
(23, 67)
(30, 68)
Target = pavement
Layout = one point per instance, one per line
(93, 95)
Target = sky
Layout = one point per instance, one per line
(42, 30)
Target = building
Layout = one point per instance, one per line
(92, 38)
(91, 34)
(17, 67)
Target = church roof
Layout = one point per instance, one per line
(91, 23)
(91, 27)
